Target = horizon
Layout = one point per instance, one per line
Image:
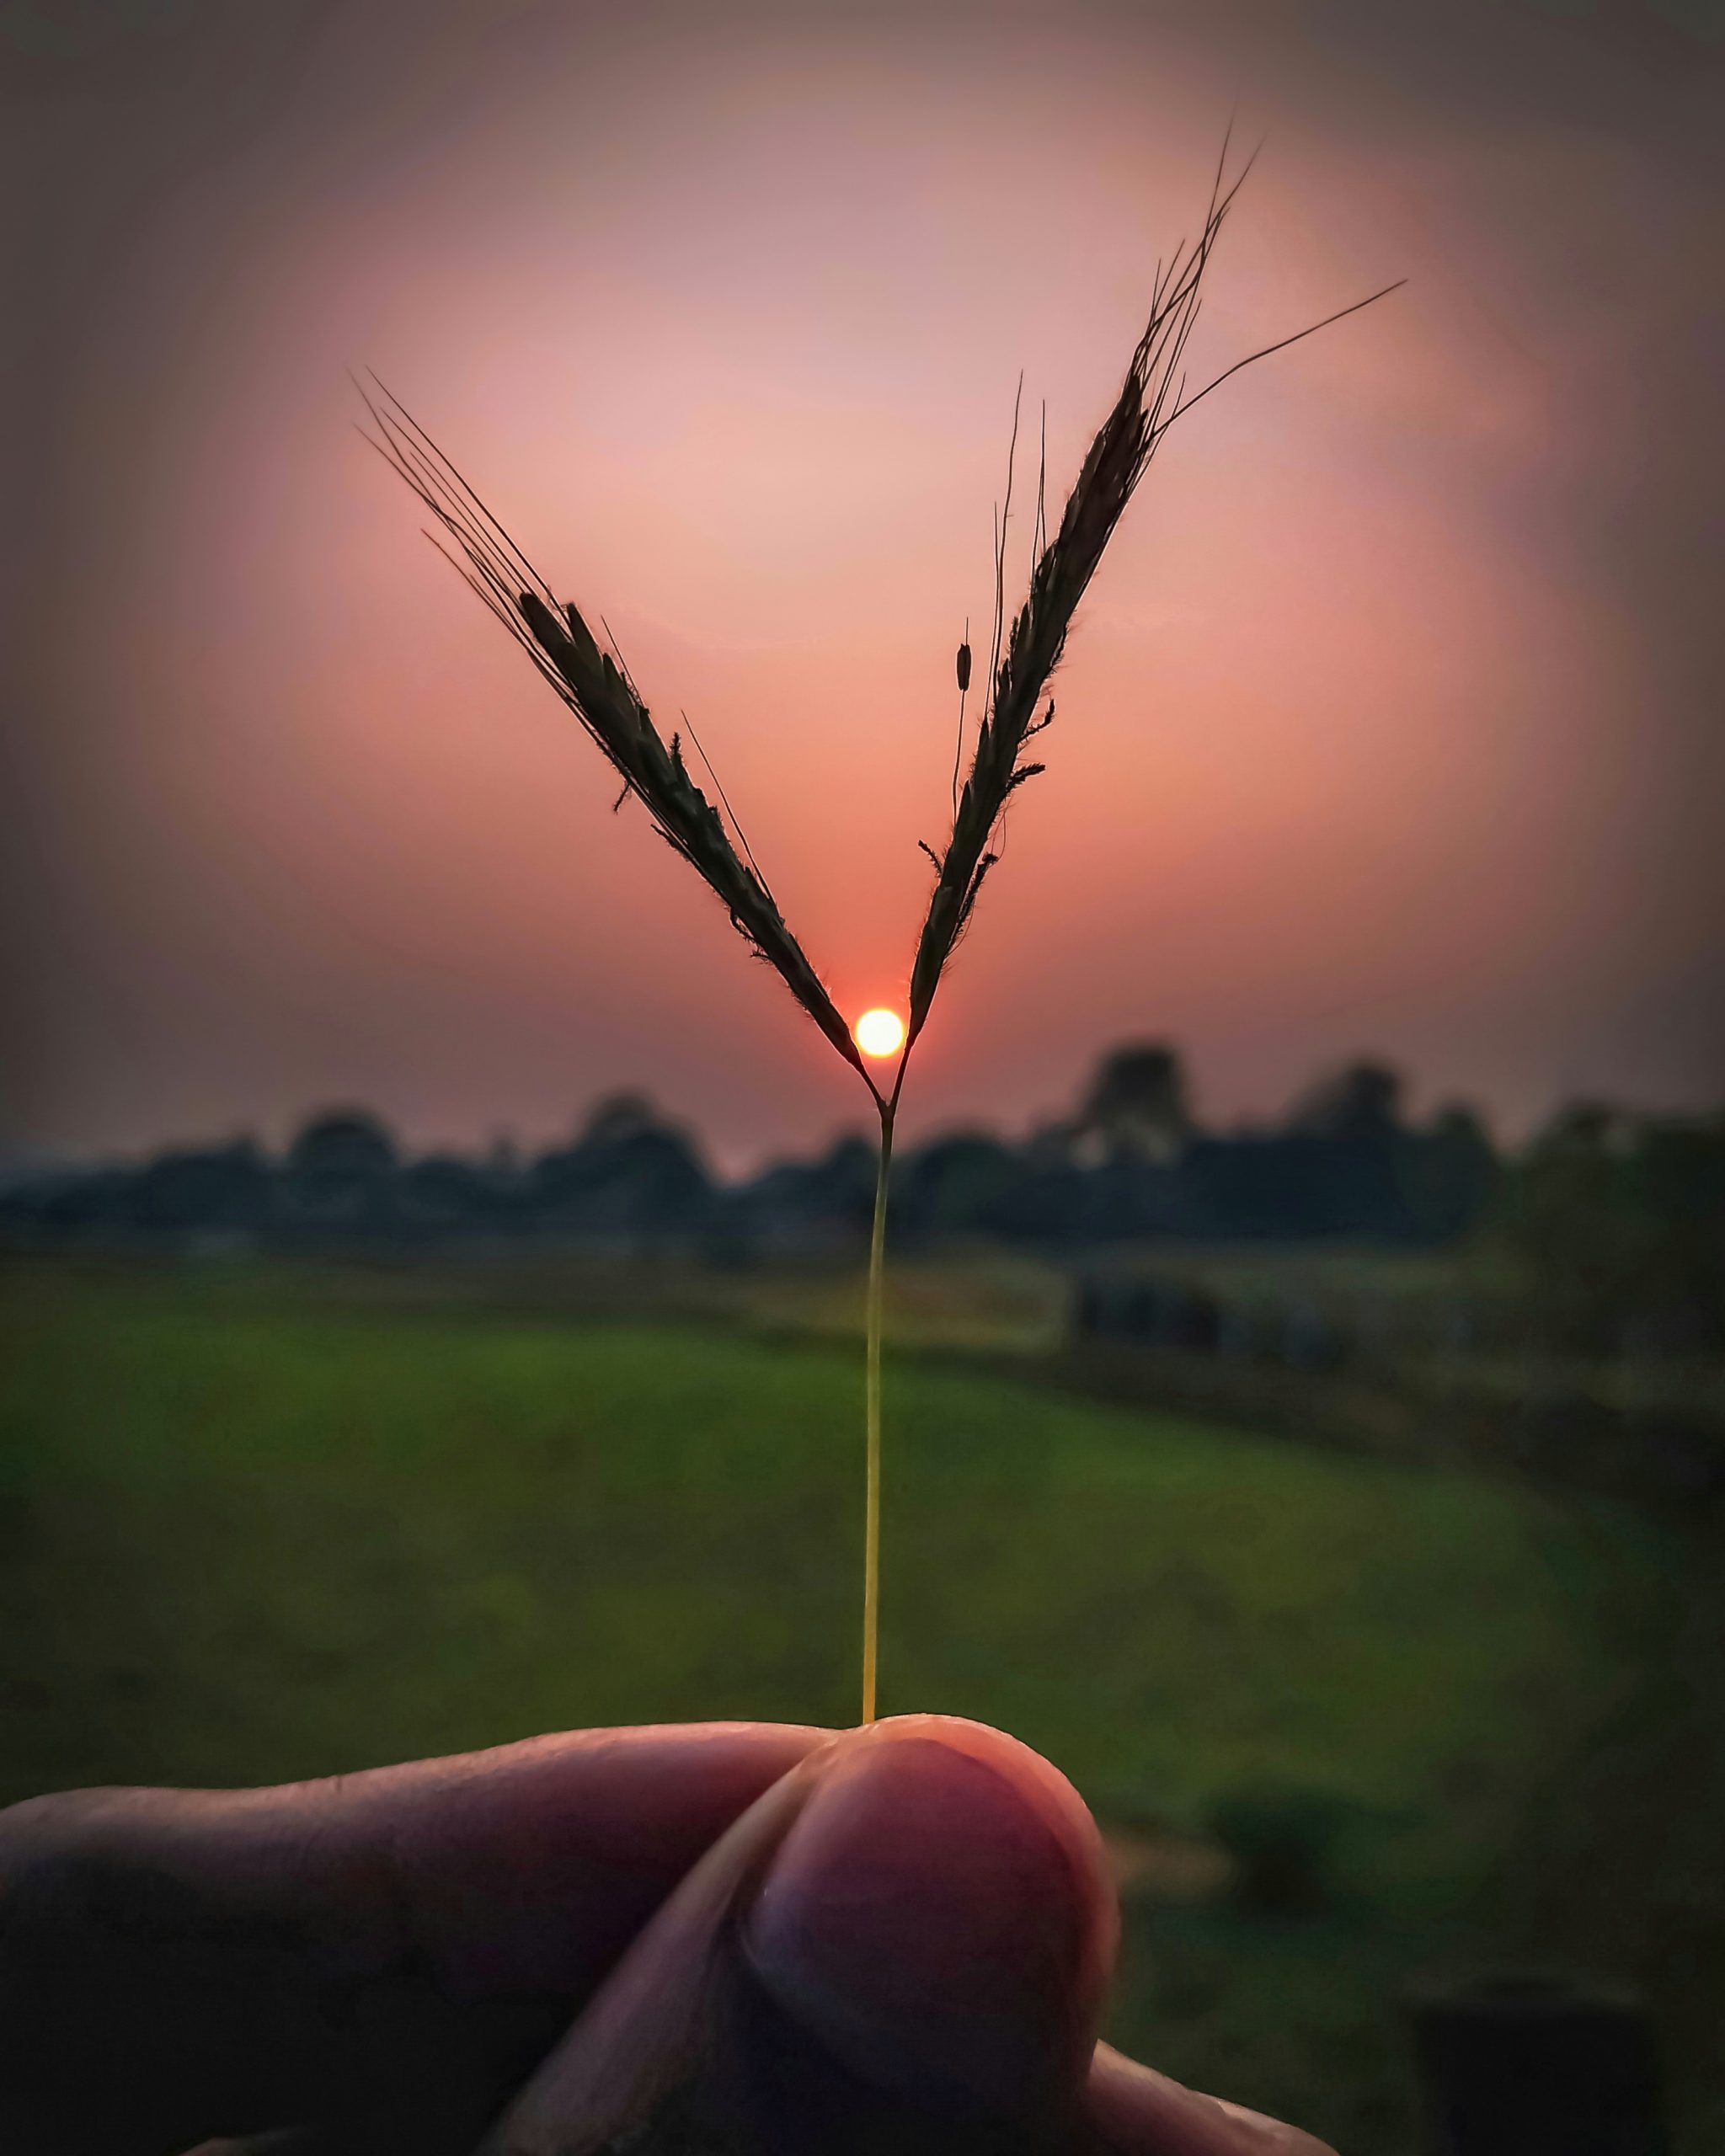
(1389, 726)
(1419, 1109)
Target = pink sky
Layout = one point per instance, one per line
(1390, 723)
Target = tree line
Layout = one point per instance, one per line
(1621, 1218)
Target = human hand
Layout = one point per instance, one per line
(727, 1936)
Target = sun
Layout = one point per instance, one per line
(878, 1032)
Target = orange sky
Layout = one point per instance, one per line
(1390, 722)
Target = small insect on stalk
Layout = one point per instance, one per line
(597, 686)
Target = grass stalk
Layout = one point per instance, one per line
(873, 1327)
(1024, 652)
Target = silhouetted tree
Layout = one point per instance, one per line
(343, 1143)
(340, 1173)
(1136, 1107)
(445, 1193)
(631, 1172)
(1620, 1224)
(1362, 1099)
(961, 1184)
(1450, 1174)
(228, 1189)
(1679, 1180)
(830, 1198)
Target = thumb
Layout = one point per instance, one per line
(912, 1927)
(939, 1917)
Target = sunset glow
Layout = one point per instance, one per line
(1386, 725)
(879, 1033)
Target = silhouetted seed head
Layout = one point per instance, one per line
(599, 692)
(1152, 396)
(598, 689)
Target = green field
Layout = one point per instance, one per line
(251, 1532)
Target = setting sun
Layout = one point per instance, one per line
(879, 1033)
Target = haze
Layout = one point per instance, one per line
(1390, 725)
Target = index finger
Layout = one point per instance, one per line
(244, 1959)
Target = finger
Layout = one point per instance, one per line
(911, 1933)
(239, 1962)
(940, 1917)
(649, 2034)
(1132, 2111)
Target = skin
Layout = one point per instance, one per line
(915, 1918)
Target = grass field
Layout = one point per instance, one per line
(250, 1531)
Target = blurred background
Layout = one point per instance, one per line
(430, 1256)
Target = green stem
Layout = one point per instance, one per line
(870, 1539)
